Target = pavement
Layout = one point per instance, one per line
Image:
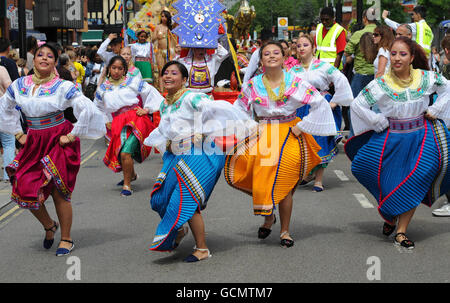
(337, 236)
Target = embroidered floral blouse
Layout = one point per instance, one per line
(196, 113)
(321, 74)
(396, 102)
(110, 98)
(54, 96)
(254, 100)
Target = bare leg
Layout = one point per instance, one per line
(404, 219)
(198, 230)
(319, 177)
(44, 218)
(285, 215)
(64, 212)
(127, 169)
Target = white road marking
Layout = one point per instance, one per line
(365, 203)
(340, 174)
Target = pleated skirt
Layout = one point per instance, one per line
(329, 144)
(183, 187)
(124, 125)
(402, 168)
(42, 165)
(268, 164)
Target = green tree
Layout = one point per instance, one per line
(437, 11)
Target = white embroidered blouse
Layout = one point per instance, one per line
(254, 100)
(110, 98)
(321, 74)
(196, 113)
(54, 96)
(396, 102)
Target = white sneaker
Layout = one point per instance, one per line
(444, 211)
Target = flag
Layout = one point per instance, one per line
(118, 6)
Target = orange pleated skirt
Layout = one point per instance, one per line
(268, 164)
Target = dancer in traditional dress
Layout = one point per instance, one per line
(129, 123)
(126, 53)
(142, 51)
(268, 166)
(203, 68)
(322, 76)
(401, 154)
(192, 164)
(50, 159)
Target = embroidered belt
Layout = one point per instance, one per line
(142, 59)
(124, 110)
(406, 125)
(44, 122)
(280, 119)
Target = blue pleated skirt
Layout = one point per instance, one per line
(182, 188)
(402, 166)
(329, 144)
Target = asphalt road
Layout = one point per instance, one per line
(337, 236)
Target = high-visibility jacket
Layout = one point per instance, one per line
(424, 36)
(326, 47)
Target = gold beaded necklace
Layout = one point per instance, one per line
(270, 93)
(171, 99)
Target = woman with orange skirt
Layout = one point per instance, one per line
(270, 162)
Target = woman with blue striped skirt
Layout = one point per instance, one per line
(192, 162)
(401, 154)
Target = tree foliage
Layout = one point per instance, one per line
(437, 11)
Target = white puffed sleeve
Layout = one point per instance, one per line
(9, 114)
(218, 117)
(90, 120)
(151, 98)
(320, 120)
(362, 117)
(343, 92)
(100, 103)
(441, 107)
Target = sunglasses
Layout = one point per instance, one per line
(376, 35)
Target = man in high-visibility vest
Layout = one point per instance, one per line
(421, 31)
(330, 39)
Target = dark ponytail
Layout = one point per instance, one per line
(420, 58)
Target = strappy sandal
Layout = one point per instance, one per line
(265, 232)
(318, 187)
(388, 229)
(191, 258)
(180, 237)
(49, 242)
(405, 243)
(286, 242)
(132, 180)
(65, 251)
(126, 191)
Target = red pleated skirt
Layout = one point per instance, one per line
(42, 165)
(123, 125)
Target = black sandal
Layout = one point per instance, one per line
(265, 232)
(388, 229)
(48, 243)
(286, 242)
(405, 243)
